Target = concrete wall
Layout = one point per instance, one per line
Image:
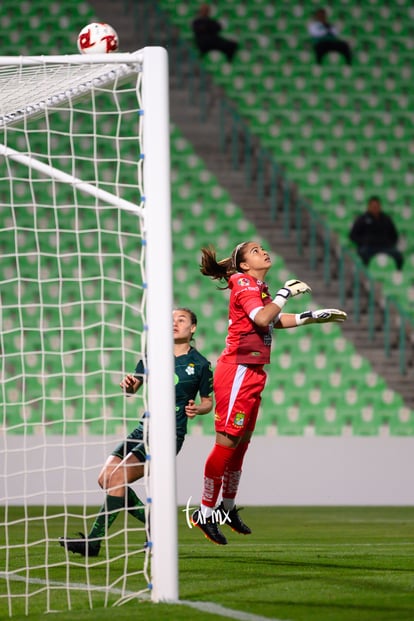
(313, 471)
(278, 470)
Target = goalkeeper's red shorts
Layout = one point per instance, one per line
(237, 393)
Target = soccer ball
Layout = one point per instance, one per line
(97, 38)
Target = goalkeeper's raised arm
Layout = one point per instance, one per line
(321, 315)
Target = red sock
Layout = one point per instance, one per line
(213, 473)
(232, 474)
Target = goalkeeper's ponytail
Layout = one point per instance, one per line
(221, 270)
(217, 270)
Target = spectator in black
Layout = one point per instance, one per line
(207, 35)
(374, 232)
(325, 38)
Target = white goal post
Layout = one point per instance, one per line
(119, 180)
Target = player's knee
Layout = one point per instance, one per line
(101, 479)
(104, 478)
(116, 480)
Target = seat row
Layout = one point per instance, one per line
(98, 415)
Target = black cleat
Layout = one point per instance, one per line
(209, 527)
(233, 519)
(80, 545)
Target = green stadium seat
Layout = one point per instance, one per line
(293, 421)
(329, 419)
(390, 399)
(402, 422)
(368, 417)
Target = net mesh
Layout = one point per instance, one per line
(72, 287)
(29, 89)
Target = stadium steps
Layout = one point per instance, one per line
(203, 131)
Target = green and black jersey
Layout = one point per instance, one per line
(193, 375)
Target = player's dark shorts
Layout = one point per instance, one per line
(134, 443)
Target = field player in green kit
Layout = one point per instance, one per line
(193, 375)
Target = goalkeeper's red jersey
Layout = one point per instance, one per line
(246, 343)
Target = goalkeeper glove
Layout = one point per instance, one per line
(290, 289)
(322, 315)
(296, 287)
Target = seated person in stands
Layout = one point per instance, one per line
(207, 35)
(374, 232)
(325, 38)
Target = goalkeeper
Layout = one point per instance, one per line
(239, 378)
(125, 465)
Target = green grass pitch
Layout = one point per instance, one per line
(299, 564)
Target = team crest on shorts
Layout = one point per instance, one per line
(239, 419)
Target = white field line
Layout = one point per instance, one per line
(318, 546)
(73, 586)
(217, 609)
(209, 607)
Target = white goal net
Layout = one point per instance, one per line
(85, 294)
